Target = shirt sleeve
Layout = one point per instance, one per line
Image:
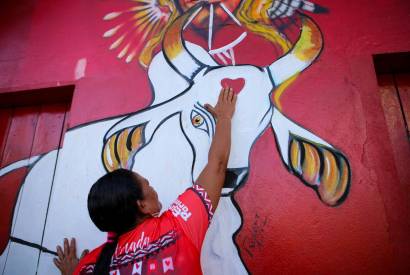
(193, 211)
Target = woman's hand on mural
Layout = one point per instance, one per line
(225, 107)
(67, 259)
(212, 177)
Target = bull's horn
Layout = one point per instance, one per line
(303, 53)
(174, 47)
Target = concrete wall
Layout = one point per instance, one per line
(281, 221)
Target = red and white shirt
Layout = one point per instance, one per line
(169, 244)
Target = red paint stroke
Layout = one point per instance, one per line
(236, 84)
(10, 185)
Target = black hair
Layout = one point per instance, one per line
(112, 207)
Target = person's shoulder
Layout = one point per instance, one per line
(89, 259)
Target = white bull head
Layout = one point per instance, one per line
(185, 78)
(169, 141)
(198, 125)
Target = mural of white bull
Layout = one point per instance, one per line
(168, 143)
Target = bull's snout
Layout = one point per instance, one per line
(234, 177)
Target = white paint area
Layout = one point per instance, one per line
(3, 258)
(175, 153)
(222, 52)
(286, 67)
(46, 265)
(227, 50)
(308, 6)
(230, 14)
(165, 160)
(17, 165)
(283, 127)
(159, 70)
(21, 259)
(80, 67)
(185, 64)
(210, 27)
(200, 54)
(78, 167)
(29, 215)
(220, 249)
(34, 201)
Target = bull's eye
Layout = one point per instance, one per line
(199, 121)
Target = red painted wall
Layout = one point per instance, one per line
(286, 228)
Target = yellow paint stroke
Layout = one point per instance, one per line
(141, 24)
(141, 14)
(330, 178)
(137, 139)
(279, 91)
(311, 164)
(254, 16)
(108, 150)
(309, 43)
(258, 10)
(150, 21)
(343, 180)
(295, 155)
(115, 148)
(307, 48)
(201, 17)
(143, 1)
(140, 7)
(172, 43)
(149, 28)
(117, 42)
(146, 54)
(122, 150)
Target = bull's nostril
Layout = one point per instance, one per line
(235, 177)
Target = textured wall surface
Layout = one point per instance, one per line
(283, 225)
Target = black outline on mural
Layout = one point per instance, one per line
(200, 64)
(236, 205)
(140, 148)
(28, 167)
(18, 240)
(195, 113)
(33, 245)
(267, 112)
(192, 148)
(333, 150)
(336, 154)
(209, 115)
(190, 83)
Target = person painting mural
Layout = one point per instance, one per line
(140, 241)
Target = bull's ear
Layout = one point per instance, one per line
(123, 140)
(315, 162)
